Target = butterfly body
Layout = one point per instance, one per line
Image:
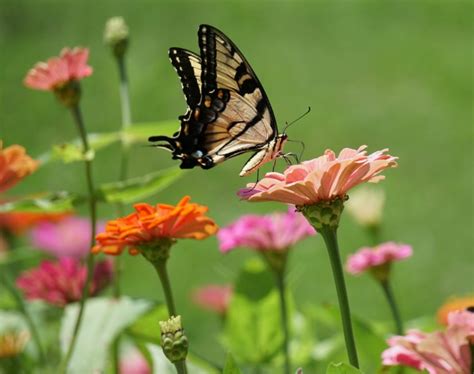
(228, 111)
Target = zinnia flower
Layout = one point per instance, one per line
(366, 206)
(458, 303)
(213, 297)
(382, 255)
(15, 165)
(271, 232)
(321, 179)
(440, 352)
(19, 222)
(150, 224)
(61, 282)
(69, 237)
(133, 362)
(71, 65)
(12, 343)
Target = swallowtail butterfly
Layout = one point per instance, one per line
(228, 110)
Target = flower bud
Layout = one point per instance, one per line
(116, 35)
(173, 340)
(366, 206)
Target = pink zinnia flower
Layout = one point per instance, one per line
(213, 297)
(368, 258)
(440, 352)
(61, 282)
(133, 362)
(71, 65)
(272, 232)
(67, 238)
(321, 179)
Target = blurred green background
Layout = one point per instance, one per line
(382, 73)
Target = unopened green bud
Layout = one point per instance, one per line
(116, 35)
(324, 213)
(173, 340)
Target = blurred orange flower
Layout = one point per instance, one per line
(453, 304)
(15, 164)
(149, 224)
(12, 343)
(19, 222)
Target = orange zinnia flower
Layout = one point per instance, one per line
(458, 303)
(19, 222)
(150, 224)
(15, 164)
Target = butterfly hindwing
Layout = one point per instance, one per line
(188, 66)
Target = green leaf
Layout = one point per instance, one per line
(134, 189)
(47, 202)
(137, 133)
(252, 327)
(342, 368)
(103, 320)
(230, 366)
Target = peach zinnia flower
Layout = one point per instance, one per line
(149, 224)
(458, 303)
(12, 343)
(15, 164)
(71, 65)
(320, 179)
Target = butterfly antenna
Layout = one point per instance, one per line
(296, 120)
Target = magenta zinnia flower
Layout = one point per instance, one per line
(213, 297)
(71, 65)
(369, 258)
(320, 179)
(67, 238)
(133, 362)
(440, 352)
(61, 282)
(271, 232)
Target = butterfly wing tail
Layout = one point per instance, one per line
(165, 142)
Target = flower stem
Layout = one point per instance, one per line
(387, 290)
(330, 238)
(76, 113)
(22, 307)
(280, 281)
(160, 266)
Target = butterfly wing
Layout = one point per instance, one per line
(233, 114)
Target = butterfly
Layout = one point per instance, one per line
(228, 110)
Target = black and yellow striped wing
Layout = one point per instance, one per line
(228, 110)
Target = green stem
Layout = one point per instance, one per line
(76, 113)
(23, 309)
(280, 281)
(181, 367)
(387, 289)
(330, 238)
(160, 267)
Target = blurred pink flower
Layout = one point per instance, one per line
(61, 282)
(271, 232)
(368, 258)
(67, 238)
(213, 297)
(71, 65)
(133, 362)
(320, 179)
(440, 352)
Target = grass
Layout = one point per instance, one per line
(386, 74)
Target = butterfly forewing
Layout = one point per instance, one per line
(188, 66)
